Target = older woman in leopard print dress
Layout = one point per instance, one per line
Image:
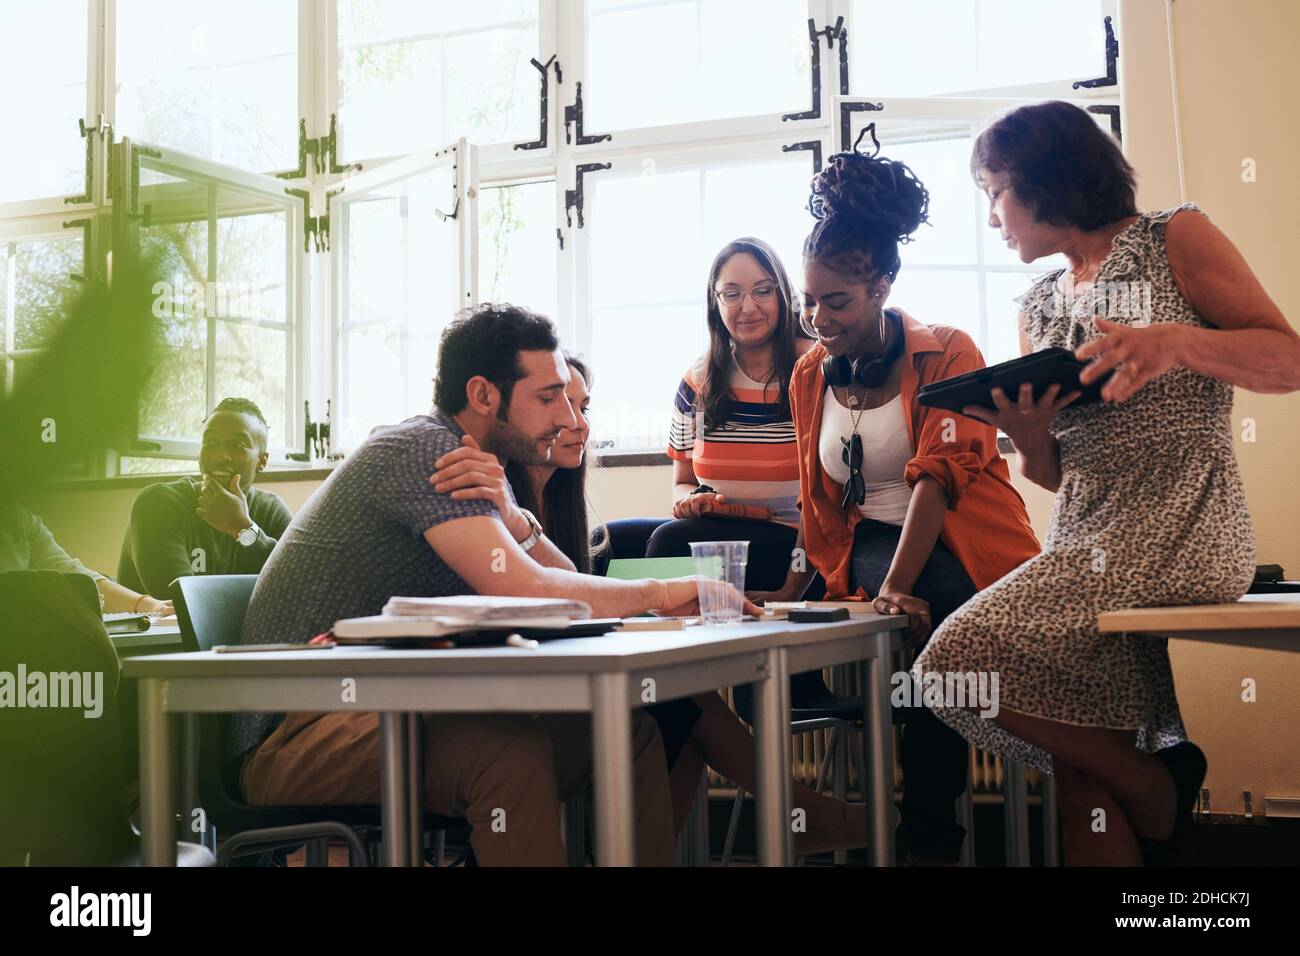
(1150, 508)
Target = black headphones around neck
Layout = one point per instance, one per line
(865, 371)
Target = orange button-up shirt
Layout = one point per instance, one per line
(986, 526)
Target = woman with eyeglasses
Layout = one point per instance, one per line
(909, 507)
(735, 471)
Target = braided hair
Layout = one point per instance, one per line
(865, 205)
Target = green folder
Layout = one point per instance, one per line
(632, 569)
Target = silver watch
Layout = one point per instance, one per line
(536, 534)
(248, 537)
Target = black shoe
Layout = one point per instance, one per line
(1186, 764)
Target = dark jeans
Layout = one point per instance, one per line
(933, 755)
(770, 546)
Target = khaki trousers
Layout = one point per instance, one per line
(506, 774)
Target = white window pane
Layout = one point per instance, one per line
(517, 246)
(400, 275)
(940, 297)
(43, 72)
(38, 275)
(653, 236)
(943, 166)
(172, 407)
(765, 200)
(251, 360)
(704, 59)
(972, 44)
(645, 237)
(638, 357)
(219, 82)
(1000, 289)
(227, 301)
(413, 75)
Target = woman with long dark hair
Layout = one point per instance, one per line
(731, 431)
(907, 506)
(1150, 508)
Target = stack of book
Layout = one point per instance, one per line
(464, 615)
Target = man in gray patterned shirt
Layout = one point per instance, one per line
(377, 528)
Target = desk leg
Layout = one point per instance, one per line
(1015, 808)
(415, 785)
(772, 740)
(190, 780)
(392, 789)
(157, 821)
(880, 729)
(611, 738)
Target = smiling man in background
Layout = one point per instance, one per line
(217, 524)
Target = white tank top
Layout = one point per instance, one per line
(886, 451)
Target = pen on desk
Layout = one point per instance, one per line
(255, 648)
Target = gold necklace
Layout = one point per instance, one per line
(744, 371)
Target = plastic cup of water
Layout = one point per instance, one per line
(720, 566)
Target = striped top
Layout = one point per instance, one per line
(752, 458)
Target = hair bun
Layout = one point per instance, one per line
(874, 194)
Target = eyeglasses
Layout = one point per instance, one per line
(732, 298)
(855, 489)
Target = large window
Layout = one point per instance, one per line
(329, 182)
(414, 74)
(214, 80)
(43, 67)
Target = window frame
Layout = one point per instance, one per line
(126, 223)
(562, 32)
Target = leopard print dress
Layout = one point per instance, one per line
(1151, 511)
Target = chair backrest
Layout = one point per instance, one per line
(210, 608)
(64, 787)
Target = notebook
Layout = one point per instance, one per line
(481, 608)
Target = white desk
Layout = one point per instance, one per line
(604, 676)
(1270, 621)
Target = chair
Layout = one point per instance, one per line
(210, 610)
(65, 789)
(814, 706)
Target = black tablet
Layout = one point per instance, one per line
(1041, 369)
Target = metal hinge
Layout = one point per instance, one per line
(315, 228)
(99, 128)
(846, 113)
(814, 145)
(1113, 112)
(837, 32)
(573, 197)
(323, 152)
(1112, 54)
(544, 128)
(573, 114)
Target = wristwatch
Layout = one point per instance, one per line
(536, 534)
(248, 537)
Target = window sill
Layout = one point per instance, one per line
(273, 475)
(276, 475)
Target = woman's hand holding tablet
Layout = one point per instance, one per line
(1025, 422)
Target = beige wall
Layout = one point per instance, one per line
(1238, 77)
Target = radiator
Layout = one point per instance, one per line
(809, 749)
